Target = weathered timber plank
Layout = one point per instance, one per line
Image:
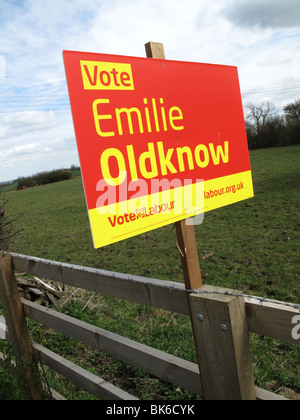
(269, 319)
(222, 340)
(162, 365)
(81, 377)
(263, 395)
(155, 50)
(185, 374)
(166, 295)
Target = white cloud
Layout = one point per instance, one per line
(29, 120)
(27, 149)
(261, 37)
(264, 13)
(36, 141)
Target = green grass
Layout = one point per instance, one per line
(252, 246)
(9, 187)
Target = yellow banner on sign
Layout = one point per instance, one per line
(98, 75)
(118, 221)
(227, 190)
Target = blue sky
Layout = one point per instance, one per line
(260, 37)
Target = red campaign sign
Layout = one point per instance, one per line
(145, 119)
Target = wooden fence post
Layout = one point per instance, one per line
(222, 341)
(18, 331)
(185, 233)
(219, 321)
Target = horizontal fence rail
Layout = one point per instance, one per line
(162, 365)
(81, 377)
(267, 318)
(270, 318)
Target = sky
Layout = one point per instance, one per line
(260, 37)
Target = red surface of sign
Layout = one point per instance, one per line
(140, 119)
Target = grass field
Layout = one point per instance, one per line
(252, 246)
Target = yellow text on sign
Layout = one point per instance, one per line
(122, 220)
(98, 75)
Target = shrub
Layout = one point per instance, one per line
(265, 129)
(44, 178)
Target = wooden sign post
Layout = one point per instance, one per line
(219, 321)
(122, 99)
(185, 233)
(153, 127)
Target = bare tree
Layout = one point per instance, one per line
(292, 112)
(260, 113)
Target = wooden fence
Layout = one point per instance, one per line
(223, 320)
